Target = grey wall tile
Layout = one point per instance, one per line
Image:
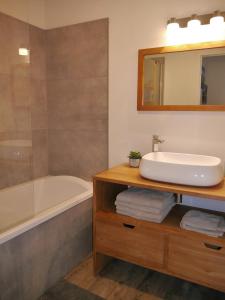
(20, 91)
(72, 103)
(40, 153)
(45, 253)
(15, 157)
(63, 152)
(6, 106)
(77, 93)
(37, 53)
(78, 51)
(93, 156)
(23, 102)
(39, 107)
(14, 103)
(73, 100)
(38, 98)
(14, 34)
(79, 153)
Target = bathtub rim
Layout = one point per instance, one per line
(49, 213)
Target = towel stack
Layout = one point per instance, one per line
(145, 204)
(202, 222)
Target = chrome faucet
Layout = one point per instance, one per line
(155, 143)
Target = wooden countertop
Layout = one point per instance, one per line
(123, 174)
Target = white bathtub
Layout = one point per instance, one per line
(27, 205)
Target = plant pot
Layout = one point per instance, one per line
(134, 162)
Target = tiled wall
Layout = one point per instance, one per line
(77, 90)
(22, 86)
(39, 113)
(53, 105)
(35, 260)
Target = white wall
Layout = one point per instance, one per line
(31, 11)
(138, 24)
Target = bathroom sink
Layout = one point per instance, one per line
(182, 168)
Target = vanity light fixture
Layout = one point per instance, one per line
(196, 29)
(217, 19)
(194, 22)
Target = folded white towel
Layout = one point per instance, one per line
(202, 220)
(145, 209)
(146, 216)
(144, 197)
(213, 233)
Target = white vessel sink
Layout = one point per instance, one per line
(181, 168)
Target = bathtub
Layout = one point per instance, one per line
(27, 205)
(45, 231)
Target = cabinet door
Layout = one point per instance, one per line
(198, 260)
(130, 241)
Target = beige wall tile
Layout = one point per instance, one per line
(72, 104)
(23, 103)
(14, 35)
(15, 157)
(62, 152)
(70, 101)
(37, 53)
(14, 103)
(40, 153)
(39, 112)
(78, 51)
(34, 261)
(77, 152)
(6, 107)
(77, 93)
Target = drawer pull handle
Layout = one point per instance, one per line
(213, 247)
(128, 226)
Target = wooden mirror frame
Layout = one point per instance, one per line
(170, 49)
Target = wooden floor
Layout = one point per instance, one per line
(124, 281)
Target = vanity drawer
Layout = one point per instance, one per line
(198, 260)
(130, 241)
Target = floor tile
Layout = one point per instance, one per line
(64, 290)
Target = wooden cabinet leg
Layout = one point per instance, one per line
(100, 261)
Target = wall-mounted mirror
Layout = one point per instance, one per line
(182, 78)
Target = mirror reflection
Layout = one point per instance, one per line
(185, 78)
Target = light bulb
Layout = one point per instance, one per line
(217, 20)
(173, 32)
(217, 28)
(172, 25)
(194, 23)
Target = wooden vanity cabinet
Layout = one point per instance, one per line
(128, 240)
(197, 260)
(163, 247)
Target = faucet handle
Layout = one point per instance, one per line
(156, 138)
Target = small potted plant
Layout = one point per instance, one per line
(134, 159)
